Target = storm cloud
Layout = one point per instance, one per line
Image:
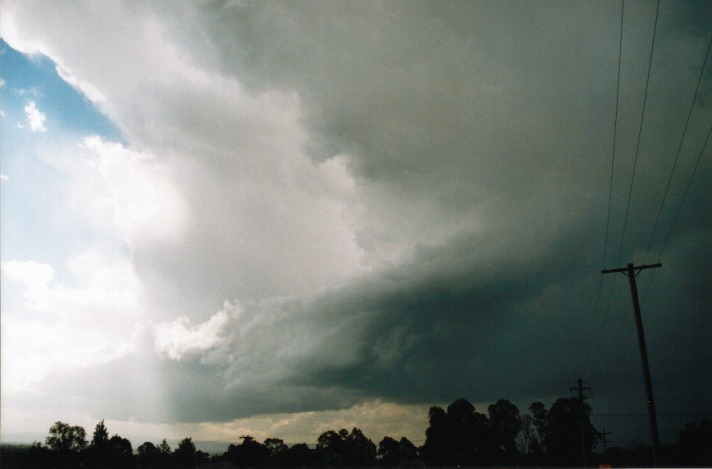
(396, 201)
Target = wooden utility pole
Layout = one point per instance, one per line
(582, 413)
(631, 271)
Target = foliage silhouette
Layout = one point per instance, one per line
(300, 455)
(567, 424)
(461, 436)
(147, 455)
(540, 417)
(505, 423)
(346, 449)
(186, 455)
(276, 452)
(250, 453)
(65, 438)
(457, 436)
(395, 453)
(66, 443)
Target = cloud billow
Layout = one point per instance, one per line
(403, 201)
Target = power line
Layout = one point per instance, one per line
(687, 189)
(610, 193)
(679, 149)
(637, 152)
(640, 132)
(615, 133)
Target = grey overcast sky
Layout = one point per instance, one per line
(280, 218)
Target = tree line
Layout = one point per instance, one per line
(457, 436)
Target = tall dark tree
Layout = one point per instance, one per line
(394, 453)
(299, 455)
(248, 453)
(407, 449)
(460, 436)
(437, 445)
(163, 447)
(65, 438)
(276, 451)
(121, 452)
(388, 452)
(108, 452)
(147, 455)
(567, 418)
(346, 449)
(527, 436)
(100, 438)
(331, 448)
(164, 457)
(540, 417)
(505, 422)
(66, 443)
(184, 455)
(98, 452)
(360, 451)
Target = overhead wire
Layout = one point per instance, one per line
(640, 132)
(610, 196)
(635, 164)
(630, 192)
(684, 196)
(617, 353)
(666, 192)
(679, 150)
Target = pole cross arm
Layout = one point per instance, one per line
(628, 268)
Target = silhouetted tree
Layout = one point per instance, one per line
(460, 436)
(98, 452)
(393, 453)
(163, 447)
(66, 443)
(563, 433)
(360, 451)
(437, 445)
(248, 453)
(299, 455)
(388, 452)
(276, 451)
(147, 455)
(184, 455)
(165, 456)
(330, 447)
(346, 449)
(506, 423)
(100, 438)
(108, 452)
(407, 449)
(528, 439)
(65, 438)
(121, 452)
(540, 417)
